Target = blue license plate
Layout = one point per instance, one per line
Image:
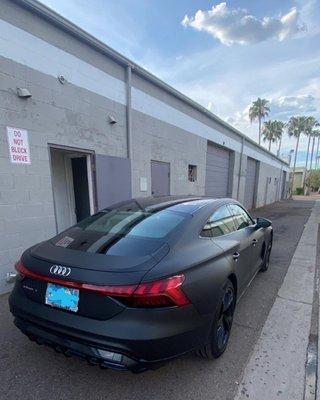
(62, 297)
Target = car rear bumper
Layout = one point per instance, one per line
(134, 339)
(70, 347)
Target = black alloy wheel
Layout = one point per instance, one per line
(266, 258)
(221, 327)
(225, 319)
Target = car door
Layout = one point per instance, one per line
(221, 228)
(251, 237)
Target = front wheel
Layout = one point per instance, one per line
(266, 257)
(221, 326)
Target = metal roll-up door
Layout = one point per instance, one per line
(250, 184)
(217, 171)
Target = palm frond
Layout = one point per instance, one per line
(259, 109)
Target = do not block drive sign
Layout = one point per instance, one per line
(18, 145)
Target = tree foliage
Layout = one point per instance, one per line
(296, 126)
(310, 124)
(272, 131)
(313, 180)
(259, 109)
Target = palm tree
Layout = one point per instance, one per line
(315, 134)
(295, 127)
(317, 151)
(280, 128)
(310, 124)
(270, 132)
(258, 110)
(307, 156)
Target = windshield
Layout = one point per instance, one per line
(136, 223)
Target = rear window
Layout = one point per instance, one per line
(134, 223)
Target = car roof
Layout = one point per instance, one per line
(186, 204)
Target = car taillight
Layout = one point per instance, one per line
(161, 293)
(21, 269)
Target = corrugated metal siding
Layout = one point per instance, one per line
(217, 171)
(250, 184)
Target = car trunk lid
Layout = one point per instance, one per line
(96, 268)
(91, 268)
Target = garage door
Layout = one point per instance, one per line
(217, 171)
(250, 185)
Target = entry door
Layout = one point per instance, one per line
(80, 187)
(160, 178)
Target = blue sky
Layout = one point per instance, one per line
(221, 54)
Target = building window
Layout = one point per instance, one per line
(192, 173)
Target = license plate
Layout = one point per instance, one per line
(62, 297)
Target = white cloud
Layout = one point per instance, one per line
(310, 14)
(285, 106)
(241, 121)
(210, 106)
(282, 108)
(238, 26)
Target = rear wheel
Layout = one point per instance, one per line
(266, 257)
(221, 326)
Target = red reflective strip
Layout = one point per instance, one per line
(126, 290)
(166, 291)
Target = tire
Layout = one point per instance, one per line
(221, 324)
(266, 257)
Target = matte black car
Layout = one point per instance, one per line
(142, 282)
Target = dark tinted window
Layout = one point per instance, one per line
(131, 222)
(220, 223)
(241, 217)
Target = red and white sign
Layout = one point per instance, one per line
(18, 145)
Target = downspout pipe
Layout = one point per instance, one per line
(240, 167)
(128, 111)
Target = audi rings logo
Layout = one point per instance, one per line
(60, 270)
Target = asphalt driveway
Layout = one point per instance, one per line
(29, 371)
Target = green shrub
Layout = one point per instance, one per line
(299, 190)
(313, 180)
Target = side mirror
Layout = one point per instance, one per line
(263, 223)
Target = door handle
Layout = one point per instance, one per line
(235, 256)
(254, 242)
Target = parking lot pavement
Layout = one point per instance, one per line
(29, 371)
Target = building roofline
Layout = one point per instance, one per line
(68, 26)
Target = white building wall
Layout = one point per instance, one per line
(269, 185)
(158, 141)
(76, 115)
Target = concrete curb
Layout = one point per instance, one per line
(276, 368)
